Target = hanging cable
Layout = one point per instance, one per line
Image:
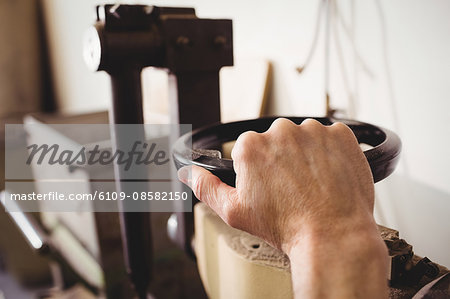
(342, 65)
(328, 110)
(312, 49)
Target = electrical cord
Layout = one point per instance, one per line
(313, 46)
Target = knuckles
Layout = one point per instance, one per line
(246, 144)
(341, 130)
(340, 127)
(312, 124)
(282, 126)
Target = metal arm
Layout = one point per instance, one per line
(127, 38)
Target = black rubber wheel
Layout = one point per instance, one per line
(207, 141)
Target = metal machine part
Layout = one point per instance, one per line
(438, 288)
(66, 272)
(124, 40)
(382, 158)
(406, 269)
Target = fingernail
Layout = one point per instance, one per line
(185, 175)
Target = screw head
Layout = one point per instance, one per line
(182, 41)
(220, 41)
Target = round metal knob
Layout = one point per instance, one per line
(92, 49)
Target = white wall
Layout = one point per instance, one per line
(395, 60)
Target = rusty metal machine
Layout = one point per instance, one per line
(124, 40)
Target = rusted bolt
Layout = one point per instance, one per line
(220, 41)
(182, 41)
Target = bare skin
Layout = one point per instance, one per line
(306, 189)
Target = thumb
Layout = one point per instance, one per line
(208, 188)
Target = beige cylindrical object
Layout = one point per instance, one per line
(235, 264)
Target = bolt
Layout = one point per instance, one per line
(220, 41)
(182, 41)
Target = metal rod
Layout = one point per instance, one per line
(135, 226)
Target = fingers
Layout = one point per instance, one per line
(209, 189)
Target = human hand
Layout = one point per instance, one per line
(291, 179)
(302, 188)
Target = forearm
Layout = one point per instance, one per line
(352, 265)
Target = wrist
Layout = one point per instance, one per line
(361, 243)
(329, 229)
(346, 261)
